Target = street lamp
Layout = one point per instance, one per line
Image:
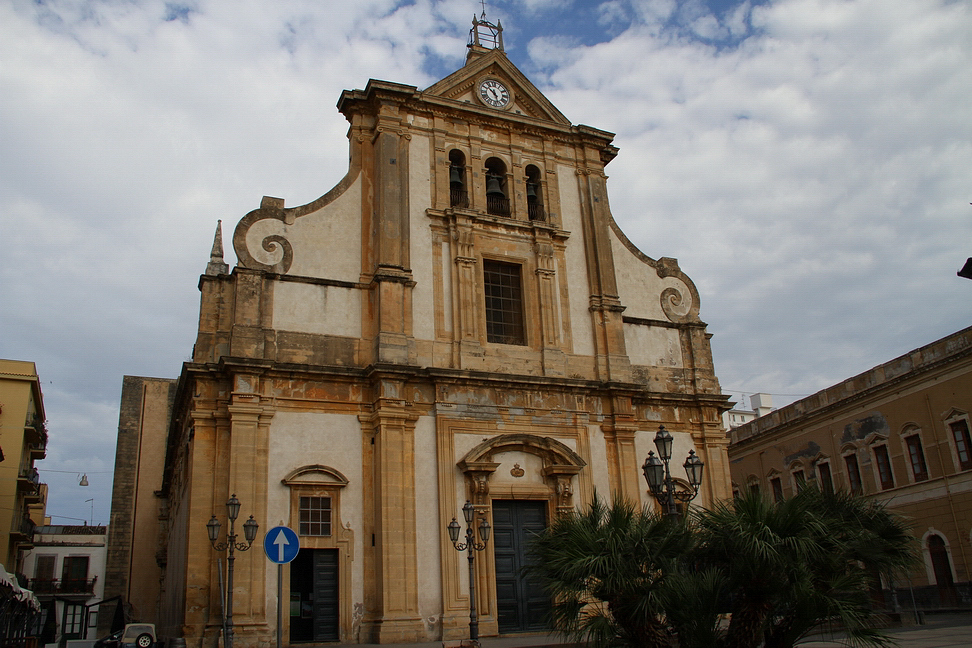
(659, 476)
(469, 546)
(249, 533)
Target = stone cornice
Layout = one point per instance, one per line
(891, 375)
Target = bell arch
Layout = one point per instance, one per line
(559, 464)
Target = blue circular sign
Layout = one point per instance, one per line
(281, 545)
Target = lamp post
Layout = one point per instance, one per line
(659, 476)
(249, 533)
(470, 546)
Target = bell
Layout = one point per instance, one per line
(493, 187)
(455, 175)
(531, 191)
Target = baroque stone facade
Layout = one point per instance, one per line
(460, 318)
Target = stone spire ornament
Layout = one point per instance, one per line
(216, 265)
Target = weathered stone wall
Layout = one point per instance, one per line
(135, 536)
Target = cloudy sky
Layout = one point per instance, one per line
(806, 161)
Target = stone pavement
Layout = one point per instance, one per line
(939, 631)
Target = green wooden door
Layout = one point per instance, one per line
(521, 603)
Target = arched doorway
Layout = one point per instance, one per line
(521, 480)
(942, 568)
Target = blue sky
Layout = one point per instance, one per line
(806, 161)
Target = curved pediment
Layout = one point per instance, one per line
(315, 474)
(553, 452)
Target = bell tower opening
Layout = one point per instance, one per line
(497, 198)
(534, 194)
(458, 195)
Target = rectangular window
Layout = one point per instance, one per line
(44, 582)
(826, 481)
(884, 466)
(853, 473)
(917, 457)
(799, 480)
(754, 488)
(73, 617)
(74, 575)
(960, 432)
(777, 485)
(315, 516)
(504, 303)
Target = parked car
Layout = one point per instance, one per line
(133, 635)
(111, 641)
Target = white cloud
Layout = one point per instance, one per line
(812, 178)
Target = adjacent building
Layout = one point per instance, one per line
(459, 319)
(761, 404)
(23, 440)
(899, 433)
(66, 573)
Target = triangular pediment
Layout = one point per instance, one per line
(526, 100)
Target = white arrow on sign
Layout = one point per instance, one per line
(281, 542)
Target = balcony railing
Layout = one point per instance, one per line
(459, 198)
(63, 586)
(497, 205)
(536, 212)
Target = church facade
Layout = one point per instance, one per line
(459, 319)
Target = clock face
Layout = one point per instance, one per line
(493, 93)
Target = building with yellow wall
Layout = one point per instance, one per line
(898, 433)
(23, 440)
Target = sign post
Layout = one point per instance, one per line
(281, 546)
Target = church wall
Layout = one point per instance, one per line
(326, 243)
(428, 526)
(636, 280)
(652, 346)
(174, 589)
(318, 309)
(315, 438)
(599, 461)
(578, 283)
(420, 238)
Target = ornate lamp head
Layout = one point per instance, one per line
(212, 528)
(663, 442)
(454, 529)
(654, 473)
(250, 530)
(232, 508)
(693, 469)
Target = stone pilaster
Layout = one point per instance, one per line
(395, 617)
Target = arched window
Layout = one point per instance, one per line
(458, 195)
(497, 197)
(534, 194)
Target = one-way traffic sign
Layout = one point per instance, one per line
(281, 545)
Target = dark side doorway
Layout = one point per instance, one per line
(314, 596)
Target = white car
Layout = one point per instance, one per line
(138, 635)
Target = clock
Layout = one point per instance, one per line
(494, 93)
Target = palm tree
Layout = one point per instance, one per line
(793, 564)
(606, 571)
(622, 576)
